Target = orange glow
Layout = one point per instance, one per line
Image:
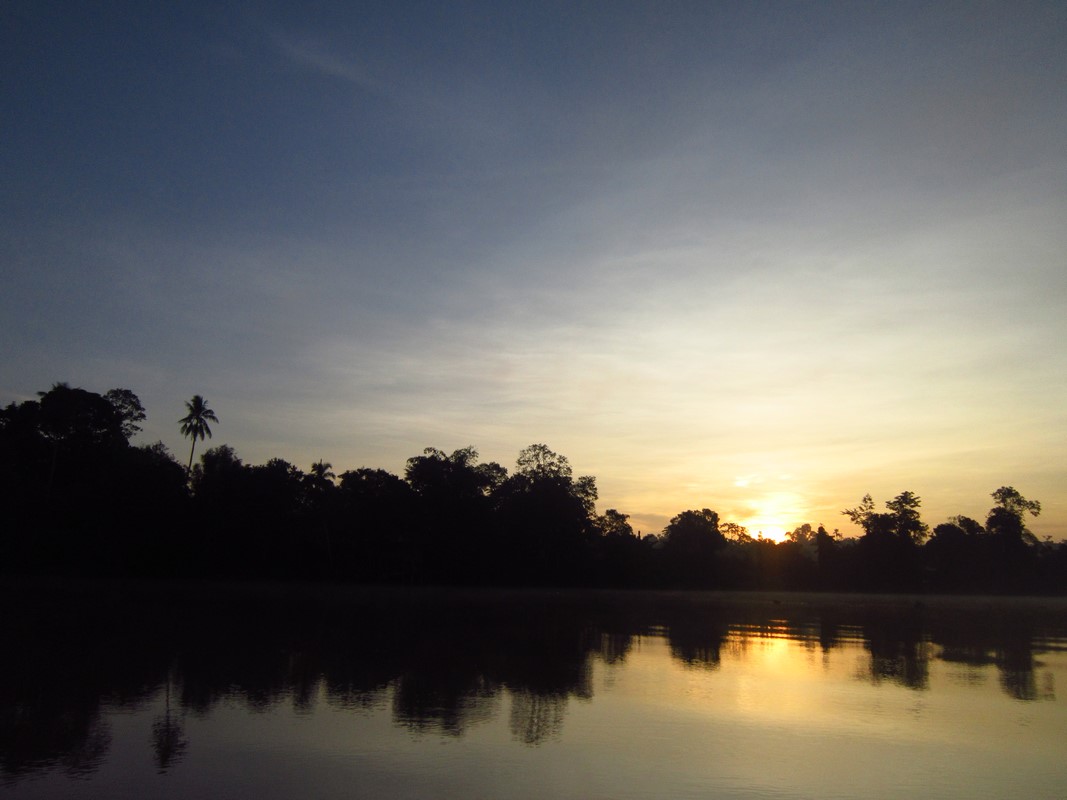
(769, 514)
(768, 529)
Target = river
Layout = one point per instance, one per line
(218, 690)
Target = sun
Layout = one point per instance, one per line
(768, 515)
(767, 528)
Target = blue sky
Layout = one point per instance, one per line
(759, 257)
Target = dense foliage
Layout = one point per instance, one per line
(79, 498)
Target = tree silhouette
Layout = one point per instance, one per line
(129, 409)
(81, 425)
(904, 509)
(195, 423)
(1012, 545)
(548, 519)
(888, 551)
(690, 542)
(322, 471)
(77, 497)
(1009, 499)
(453, 542)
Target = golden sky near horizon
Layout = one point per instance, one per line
(753, 257)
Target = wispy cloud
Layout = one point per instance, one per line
(314, 54)
(811, 258)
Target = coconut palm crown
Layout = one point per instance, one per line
(195, 423)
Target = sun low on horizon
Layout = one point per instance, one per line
(771, 515)
(776, 532)
(753, 258)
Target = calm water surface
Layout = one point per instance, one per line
(227, 691)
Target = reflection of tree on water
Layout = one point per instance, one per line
(1015, 662)
(536, 718)
(1005, 642)
(1018, 682)
(442, 662)
(430, 700)
(168, 737)
(47, 736)
(541, 655)
(899, 652)
(614, 647)
(697, 643)
(50, 705)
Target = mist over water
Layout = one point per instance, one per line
(270, 691)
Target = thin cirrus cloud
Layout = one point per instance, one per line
(313, 54)
(757, 261)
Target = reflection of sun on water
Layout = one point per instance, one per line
(766, 676)
(777, 679)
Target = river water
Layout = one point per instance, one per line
(130, 691)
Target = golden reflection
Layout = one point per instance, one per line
(768, 676)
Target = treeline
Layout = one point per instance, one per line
(79, 498)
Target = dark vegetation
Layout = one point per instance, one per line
(79, 499)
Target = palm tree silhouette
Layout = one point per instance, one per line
(322, 472)
(195, 423)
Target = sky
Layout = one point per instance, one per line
(763, 258)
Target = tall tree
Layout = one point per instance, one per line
(80, 419)
(904, 508)
(195, 423)
(81, 425)
(693, 533)
(690, 542)
(322, 471)
(1008, 498)
(1006, 520)
(888, 551)
(129, 409)
(452, 538)
(547, 518)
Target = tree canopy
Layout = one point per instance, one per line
(195, 423)
(81, 498)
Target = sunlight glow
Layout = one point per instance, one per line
(768, 515)
(766, 529)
